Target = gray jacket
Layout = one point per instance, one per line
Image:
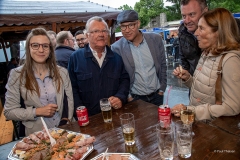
(156, 47)
(12, 109)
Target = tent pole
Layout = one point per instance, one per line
(4, 50)
(54, 27)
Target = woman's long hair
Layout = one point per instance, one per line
(221, 20)
(27, 70)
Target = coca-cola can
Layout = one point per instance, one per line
(164, 116)
(82, 116)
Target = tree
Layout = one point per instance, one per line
(173, 12)
(148, 9)
(232, 5)
(125, 7)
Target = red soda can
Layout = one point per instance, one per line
(164, 116)
(82, 115)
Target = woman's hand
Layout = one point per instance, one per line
(177, 109)
(46, 111)
(115, 102)
(181, 73)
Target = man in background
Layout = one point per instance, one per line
(52, 36)
(144, 59)
(80, 39)
(65, 47)
(189, 52)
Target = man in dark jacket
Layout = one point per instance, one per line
(189, 51)
(65, 47)
(97, 72)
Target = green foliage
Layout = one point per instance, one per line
(232, 5)
(148, 9)
(173, 12)
(125, 7)
(118, 29)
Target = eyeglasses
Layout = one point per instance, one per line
(98, 31)
(130, 26)
(81, 39)
(35, 46)
(71, 39)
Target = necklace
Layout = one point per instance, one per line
(39, 72)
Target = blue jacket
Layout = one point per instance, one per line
(90, 83)
(63, 54)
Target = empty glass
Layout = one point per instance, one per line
(165, 139)
(184, 139)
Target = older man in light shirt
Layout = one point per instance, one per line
(97, 72)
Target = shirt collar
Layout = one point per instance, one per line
(140, 42)
(95, 53)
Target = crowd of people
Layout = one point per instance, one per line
(55, 78)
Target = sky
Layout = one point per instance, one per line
(110, 3)
(118, 3)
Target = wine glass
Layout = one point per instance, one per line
(187, 116)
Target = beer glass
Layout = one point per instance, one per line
(165, 139)
(184, 139)
(128, 128)
(106, 110)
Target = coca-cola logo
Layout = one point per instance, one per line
(82, 118)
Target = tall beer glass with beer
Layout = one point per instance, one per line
(106, 110)
(128, 128)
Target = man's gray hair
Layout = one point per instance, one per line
(95, 18)
(203, 3)
(61, 36)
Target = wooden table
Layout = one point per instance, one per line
(209, 141)
(228, 124)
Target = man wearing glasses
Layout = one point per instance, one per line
(65, 47)
(80, 39)
(144, 59)
(97, 72)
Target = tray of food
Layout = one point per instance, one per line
(115, 156)
(37, 146)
